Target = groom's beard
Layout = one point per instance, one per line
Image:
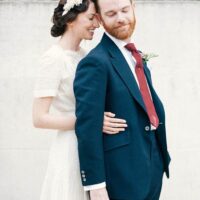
(122, 31)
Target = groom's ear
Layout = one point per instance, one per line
(133, 4)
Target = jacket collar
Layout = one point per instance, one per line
(121, 66)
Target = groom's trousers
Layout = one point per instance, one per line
(156, 169)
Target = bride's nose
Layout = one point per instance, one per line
(96, 23)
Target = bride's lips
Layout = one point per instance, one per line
(91, 31)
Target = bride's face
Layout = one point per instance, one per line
(86, 23)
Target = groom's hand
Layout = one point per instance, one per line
(99, 194)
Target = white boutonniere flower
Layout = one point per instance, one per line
(146, 57)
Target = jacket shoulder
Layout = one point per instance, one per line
(98, 55)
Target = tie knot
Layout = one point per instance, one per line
(131, 47)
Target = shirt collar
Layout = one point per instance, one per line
(120, 44)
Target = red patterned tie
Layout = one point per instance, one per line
(139, 70)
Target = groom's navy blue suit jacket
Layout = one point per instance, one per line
(104, 82)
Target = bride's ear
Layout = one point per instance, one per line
(70, 24)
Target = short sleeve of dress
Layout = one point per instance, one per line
(49, 76)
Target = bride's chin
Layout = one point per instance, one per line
(89, 37)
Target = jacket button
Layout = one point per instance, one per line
(147, 128)
(82, 172)
(84, 179)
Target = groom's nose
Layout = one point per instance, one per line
(120, 18)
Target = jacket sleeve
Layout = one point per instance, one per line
(90, 91)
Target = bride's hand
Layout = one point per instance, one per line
(113, 125)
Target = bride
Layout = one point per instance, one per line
(73, 21)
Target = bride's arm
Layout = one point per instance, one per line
(43, 119)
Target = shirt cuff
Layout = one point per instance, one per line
(153, 127)
(95, 186)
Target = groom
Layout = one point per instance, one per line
(113, 77)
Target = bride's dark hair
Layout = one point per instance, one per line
(60, 21)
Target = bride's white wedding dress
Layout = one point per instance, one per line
(55, 78)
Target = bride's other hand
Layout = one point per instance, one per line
(112, 125)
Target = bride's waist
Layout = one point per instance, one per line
(66, 136)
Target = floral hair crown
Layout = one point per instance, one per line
(70, 4)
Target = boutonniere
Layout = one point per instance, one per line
(147, 56)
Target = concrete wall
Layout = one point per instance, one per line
(168, 28)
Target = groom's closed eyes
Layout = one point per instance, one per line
(111, 13)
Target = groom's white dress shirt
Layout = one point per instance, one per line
(131, 62)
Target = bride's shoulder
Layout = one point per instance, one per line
(53, 54)
(51, 59)
(53, 51)
(84, 51)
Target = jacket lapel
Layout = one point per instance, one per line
(122, 68)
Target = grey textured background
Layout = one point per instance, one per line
(168, 28)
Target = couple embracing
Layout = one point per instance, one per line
(110, 121)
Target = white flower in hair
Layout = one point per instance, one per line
(70, 4)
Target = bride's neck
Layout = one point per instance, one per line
(69, 41)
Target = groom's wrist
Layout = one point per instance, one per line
(95, 186)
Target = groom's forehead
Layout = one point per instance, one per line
(107, 5)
